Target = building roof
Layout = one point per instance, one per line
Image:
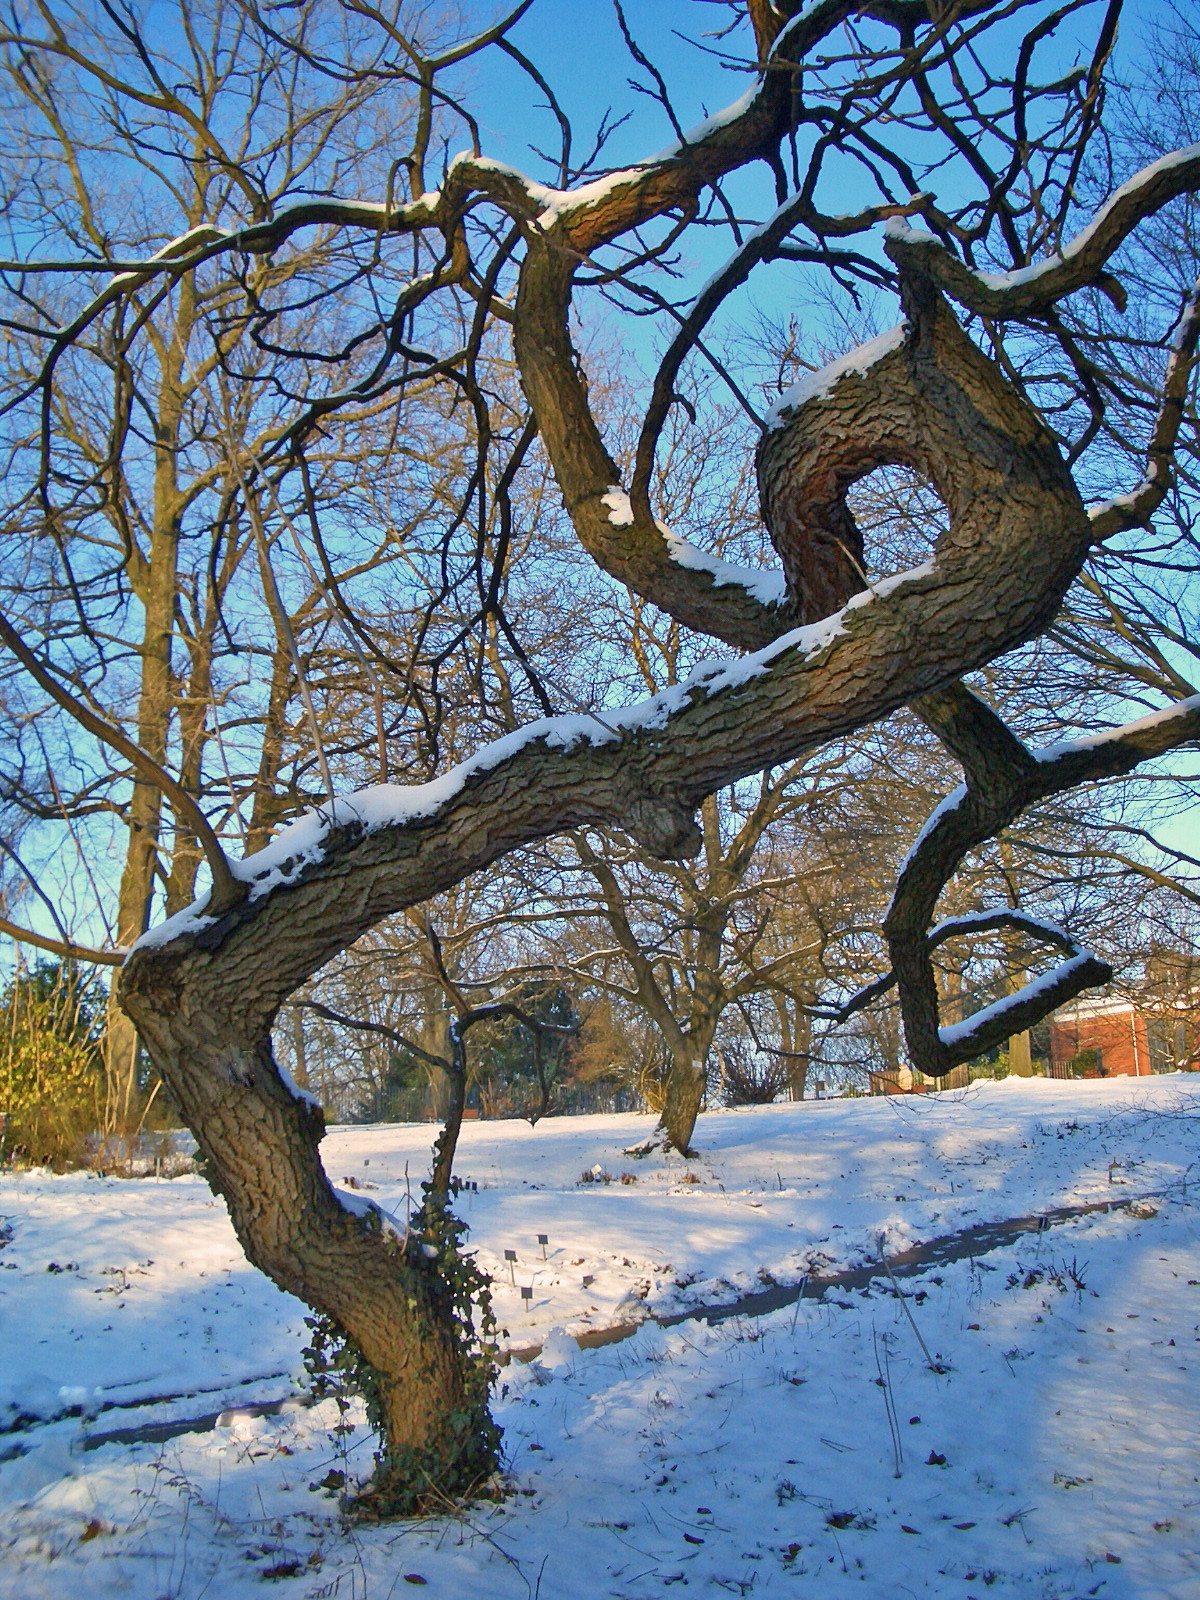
(1093, 1006)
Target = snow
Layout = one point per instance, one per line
(950, 802)
(361, 1205)
(722, 119)
(1129, 501)
(363, 213)
(1022, 275)
(855, 363)
(1153, 719)
(293, 1088)
(555, 203)
(972, 921)
(956, 1032)
(619, 507)
(703, 130)
(882, 587)
(1049, 752)
(1054, 1454)
(1018, 277)
(767, 587)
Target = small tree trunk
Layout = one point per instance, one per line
(1020, 1055)
(797, 1071)
(685, 1091)
(795, 1038)
(120, 1069)
(299, 1049)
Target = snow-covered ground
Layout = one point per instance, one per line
(1056, 1454)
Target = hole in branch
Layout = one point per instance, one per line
(899, 516)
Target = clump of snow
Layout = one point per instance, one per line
(360, 1205)
(901, 229)
(768, 587)
(559, 1352)
(619, 507)
(294, 1089)
(555, 203)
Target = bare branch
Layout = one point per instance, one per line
(69, 951)
(1083, 262)
(966, 818)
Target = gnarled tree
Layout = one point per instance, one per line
(962, 213)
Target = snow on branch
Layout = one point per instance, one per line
(1013, 1013)
(768, 588)
(991, 1026)
(642, 768)
(302, 845)
(996, 1022)
(1082, 261)
(1002, 917)
(855, 363)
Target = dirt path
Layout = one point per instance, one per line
(960, 1246)
(946, 1248)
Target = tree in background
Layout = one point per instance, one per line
(51, 1065)
(147, 506)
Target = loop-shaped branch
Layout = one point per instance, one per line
(997, 790)
(925, 397)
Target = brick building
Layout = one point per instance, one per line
(1104, 1037)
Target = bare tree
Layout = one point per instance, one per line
(968, 143)
(137, 425)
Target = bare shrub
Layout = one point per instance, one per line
(750, 1079)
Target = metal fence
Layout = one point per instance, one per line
(367, 1102)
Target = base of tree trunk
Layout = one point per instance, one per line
(400, 1313)
(441, 1360)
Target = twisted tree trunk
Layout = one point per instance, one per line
(387, 1290)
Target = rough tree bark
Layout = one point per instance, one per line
(207, 1028)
